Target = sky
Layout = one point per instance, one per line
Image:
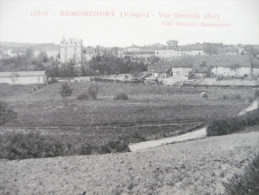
(123, 23)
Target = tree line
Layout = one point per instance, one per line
(98, 65)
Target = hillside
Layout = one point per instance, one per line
(198, 167)
(22, 47)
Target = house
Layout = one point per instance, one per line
(180, 72)
(159, 70)
(71, 49)
(255, 62)
(88, 54)
(139, 54)
(221, 65)
(23, 78)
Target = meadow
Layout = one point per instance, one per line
(107, 125)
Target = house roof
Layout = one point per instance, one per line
(209, 61)
(223, 60)
(160, 67)
(140, 52)
(22, 73)
(255, 63)
(214, 60)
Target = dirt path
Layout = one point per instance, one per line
(253, 106)
(154, 143)
(195, 167)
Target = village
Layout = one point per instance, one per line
(165, 64)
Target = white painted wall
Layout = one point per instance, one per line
(24, 80)
(256, 72)
(227, 71)
(181, 71)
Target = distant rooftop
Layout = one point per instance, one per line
(72, 41)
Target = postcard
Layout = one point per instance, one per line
(129, 97)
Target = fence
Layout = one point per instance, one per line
(147, 125)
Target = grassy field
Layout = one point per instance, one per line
(99, 122)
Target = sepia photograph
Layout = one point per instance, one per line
(125, 97)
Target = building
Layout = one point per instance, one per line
(88, 54)
(23, 78)
(180, 72)
(139, 54)
(71, 50)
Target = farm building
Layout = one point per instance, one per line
(23, 78)
(159, 69)
(201, 66)
(256, 68)
(225, 65)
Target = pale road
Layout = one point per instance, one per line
(200, 166)
(154, 143)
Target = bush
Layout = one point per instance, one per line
(93, 91)
(6, 113)
(65, 91)
(236, 97)
(32, 145)
(227, 126)
(121, 96)
(256, 95)
(83, 96)
(91, 94)
(225, 97)
(52, 80)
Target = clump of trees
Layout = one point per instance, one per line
(90, 94)
(235, 124)
(109, 64)
(27, 62)
(99, 65)
(213, 48)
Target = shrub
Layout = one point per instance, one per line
(6, 113)
(52, 80)
(93, 91)
(225, 97)
(236, 97)
(247, 183)
(256, 95)
(114, 147)
(32, 145)
(65, 91)
(91, 94)
(83, 96)
(121, 96)
(227, 126)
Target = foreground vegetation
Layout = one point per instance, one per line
(116, 115)
(248, 184)
(231, 125)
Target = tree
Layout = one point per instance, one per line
(42, 56)
(6, 113)
(65, 92)
(29, 53)
(211, 49)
